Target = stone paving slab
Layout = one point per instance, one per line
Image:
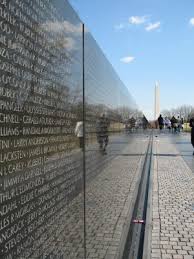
(172, 215)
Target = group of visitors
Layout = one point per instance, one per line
(174, 124)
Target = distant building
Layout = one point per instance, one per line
(157, 101)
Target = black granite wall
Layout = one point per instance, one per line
(41, 102)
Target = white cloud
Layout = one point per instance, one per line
(64, 26)
(153, 26)
(137, 19)
(192, 21)
(127, 59)
(133, 20)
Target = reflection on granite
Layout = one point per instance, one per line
(41, 102)
(41, 165)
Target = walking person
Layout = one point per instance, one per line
(191, 124)
(102, 132)
(179, 124)
(161, 122)
(168, 123)
(132, 124)
(182, 124)
(174, 124)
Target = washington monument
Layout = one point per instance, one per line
(157, 101)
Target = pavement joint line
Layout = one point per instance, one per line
(125, 231)
(169, 155)
(148, 226)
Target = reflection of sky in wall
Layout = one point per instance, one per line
(67, 36)
(65, 32)
(102, 83)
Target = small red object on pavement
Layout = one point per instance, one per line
(139, 221)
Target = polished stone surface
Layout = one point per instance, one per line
(42, 163)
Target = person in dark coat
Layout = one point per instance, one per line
(191, 124)
(132, 123)
(102, 126)
(174, 123)
(161, 122)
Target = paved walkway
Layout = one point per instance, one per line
(171, 213)
(110, 200)
(110, 196)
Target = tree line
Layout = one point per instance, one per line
(183, 111)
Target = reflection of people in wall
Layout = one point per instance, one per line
(79, 133)
(102, 132)
(132, 123)
(144, 122)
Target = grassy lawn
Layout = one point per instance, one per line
(186, 127)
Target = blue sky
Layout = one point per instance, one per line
(146, 41)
